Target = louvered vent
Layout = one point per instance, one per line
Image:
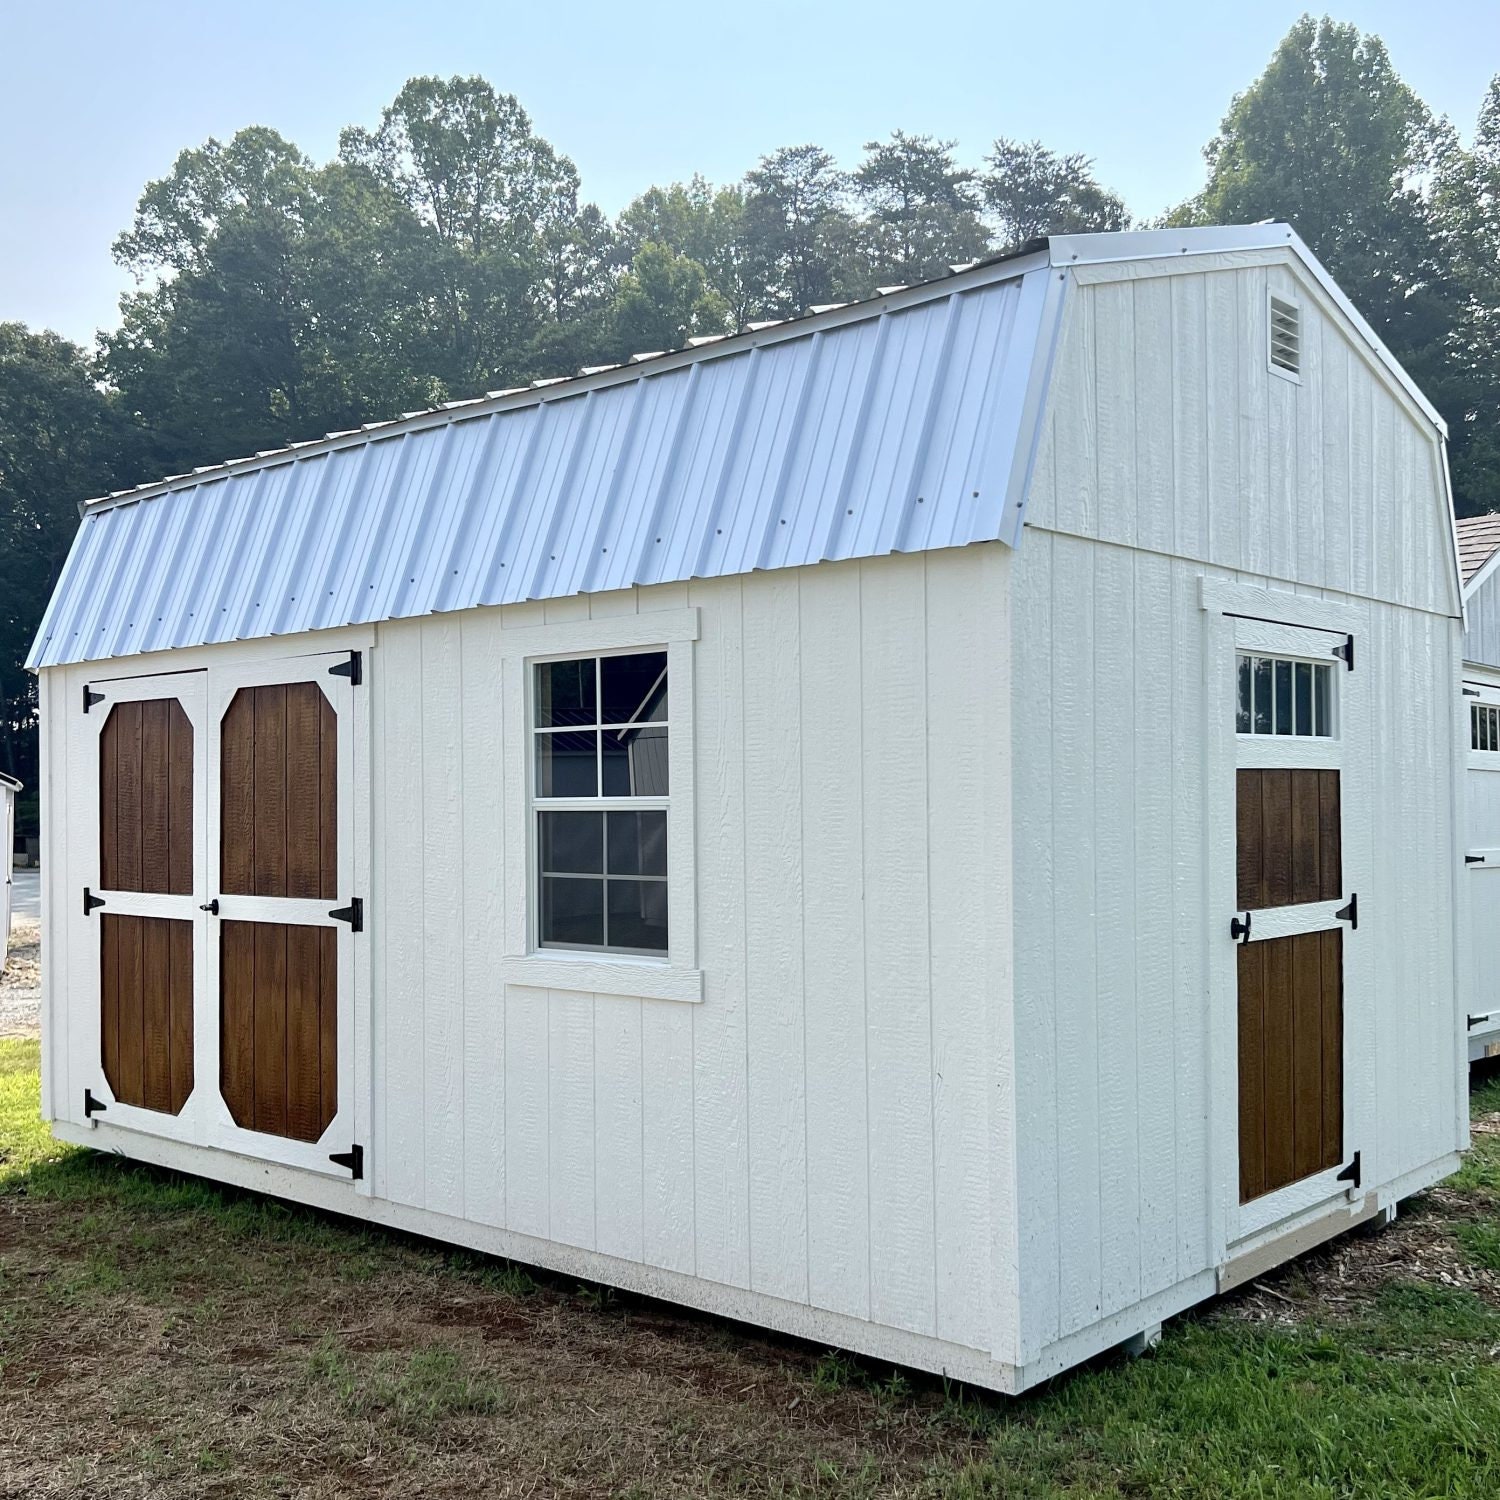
(1286, 336)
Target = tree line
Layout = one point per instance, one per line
(449, 251)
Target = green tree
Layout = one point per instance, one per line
(1031, 191)
(703, 223)
(800, 236)
(1468, 202)
(663, 300)
(62, 440)
(467, 163)
(923, 208)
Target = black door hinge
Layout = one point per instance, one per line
(353, 1158)
(1239, 928)
(91, 1106)
(1350, 1174)
(90, 698)
(1346, 651)
(353, 669)
(1350, 913)
(1477, 1021)
(90, 901)
(353, 914)
(1473, 859)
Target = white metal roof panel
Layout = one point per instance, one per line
(893, 425)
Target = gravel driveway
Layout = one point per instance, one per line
(21, 983)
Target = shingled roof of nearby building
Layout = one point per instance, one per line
(1478, 537)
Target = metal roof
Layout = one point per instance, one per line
(899, 424)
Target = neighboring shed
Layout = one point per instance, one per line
(9, 786)
(1479, 558)
(929, 826)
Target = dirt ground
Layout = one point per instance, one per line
(21, 983)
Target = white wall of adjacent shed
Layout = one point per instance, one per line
(1170, 453)
(1482, 608)
(825, 1127)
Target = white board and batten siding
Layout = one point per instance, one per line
(821, 1129)
(1170, 455)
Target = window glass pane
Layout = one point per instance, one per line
(572, 910)
(1242, 710)
(635, 762)
(567, 764)
(1262, 710)
(1283, 697)
(638, 914)
(634, 688)
(1323, 700)
(638, 843)
(565, 692)
(1302, 709)
(572, 843)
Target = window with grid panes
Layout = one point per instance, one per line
(1281, 696)
(600, 798)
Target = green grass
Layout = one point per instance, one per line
(382, 1363)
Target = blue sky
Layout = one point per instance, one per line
(96, 99)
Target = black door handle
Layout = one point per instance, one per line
(212, 907)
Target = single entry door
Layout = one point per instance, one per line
(281, 960)
(1297, 919)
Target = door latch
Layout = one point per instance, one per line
(353, 1159)
(1239, 928)
(211, 907)
(353, 914)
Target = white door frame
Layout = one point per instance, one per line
(1244, 617)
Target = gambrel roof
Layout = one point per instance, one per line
(904, 423)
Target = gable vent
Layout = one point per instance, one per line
(1286, 336)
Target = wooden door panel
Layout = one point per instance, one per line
(1289, 837)
(146, 1010)
(278, 1059)
(279, 791)
(146, 798)
(1291, 1040)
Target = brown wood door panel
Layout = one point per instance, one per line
(1289, 837)
(278, 1059)
(146, 1010)
(1291, 1041)
(146, 798)
(279, 792)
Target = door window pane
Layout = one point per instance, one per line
(1281, 696)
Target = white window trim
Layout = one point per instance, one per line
(677, 976)
(1478, 695)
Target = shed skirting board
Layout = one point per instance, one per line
(817, 1325)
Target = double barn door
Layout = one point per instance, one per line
(220, 900)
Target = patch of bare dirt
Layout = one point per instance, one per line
(21, 982)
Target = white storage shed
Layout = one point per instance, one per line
(1479, 560)
(930, 826)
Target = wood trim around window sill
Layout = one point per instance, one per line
(642, 978)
